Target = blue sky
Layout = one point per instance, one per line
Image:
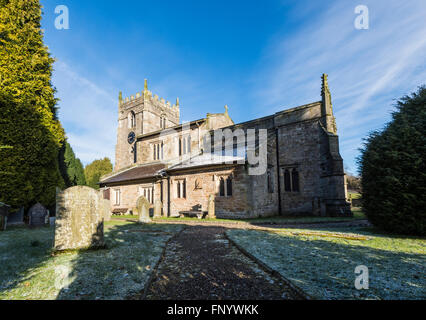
(256, 57)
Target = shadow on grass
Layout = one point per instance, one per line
(21, 250)
(326, 268)
(117, 272)
(120, 271)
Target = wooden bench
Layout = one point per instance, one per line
(193, 214)
(119, 211)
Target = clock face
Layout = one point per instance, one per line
(131, 137)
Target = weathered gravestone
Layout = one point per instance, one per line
(158, 205)
(16, 218)
(105, 209)
(4, 213)
(37, 215)
(142, 206)
(211, 207)
(79, 221)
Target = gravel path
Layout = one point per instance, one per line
(200, 263)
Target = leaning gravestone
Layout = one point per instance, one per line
(4, 213)
(79, 222)
(37, 215)
(16, 218)
(157, 208)
(211, 207)
(143, 209)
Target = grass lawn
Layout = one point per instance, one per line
(124, 217)
(355, 195)
(29, 271)
(322, 262)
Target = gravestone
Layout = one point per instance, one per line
(79, 221)
(211, 207)
(37, 215)
(142, 204)
(158, 205)
(4, 213)
(105, 209)
(46, 218)
(16, 218)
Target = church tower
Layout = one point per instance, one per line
(140, 114)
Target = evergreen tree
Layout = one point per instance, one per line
(71, 168)
(95, 170)
(28, 121)
(392, 166)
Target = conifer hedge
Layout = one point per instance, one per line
(29, 171)
(392, 165)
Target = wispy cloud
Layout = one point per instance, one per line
(88, 114)
(367, 68)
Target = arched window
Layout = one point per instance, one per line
(229, 187)
(132, 119)
(188, 146)
(222, 187)
(287, 180)
(295, 180)
(181, 188)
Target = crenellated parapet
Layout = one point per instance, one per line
(147, 96)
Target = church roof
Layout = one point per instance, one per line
(134, 173)
(207, 159)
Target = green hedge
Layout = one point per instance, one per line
(392, 166)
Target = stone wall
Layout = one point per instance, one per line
(200, 185)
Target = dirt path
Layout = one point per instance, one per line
(200, 263)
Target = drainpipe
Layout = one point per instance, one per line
(168, 195)
(278, 168)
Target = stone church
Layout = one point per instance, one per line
(177, 166)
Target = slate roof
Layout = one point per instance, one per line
(205, 160)
(136, 173)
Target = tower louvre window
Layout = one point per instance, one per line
(132, 120)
